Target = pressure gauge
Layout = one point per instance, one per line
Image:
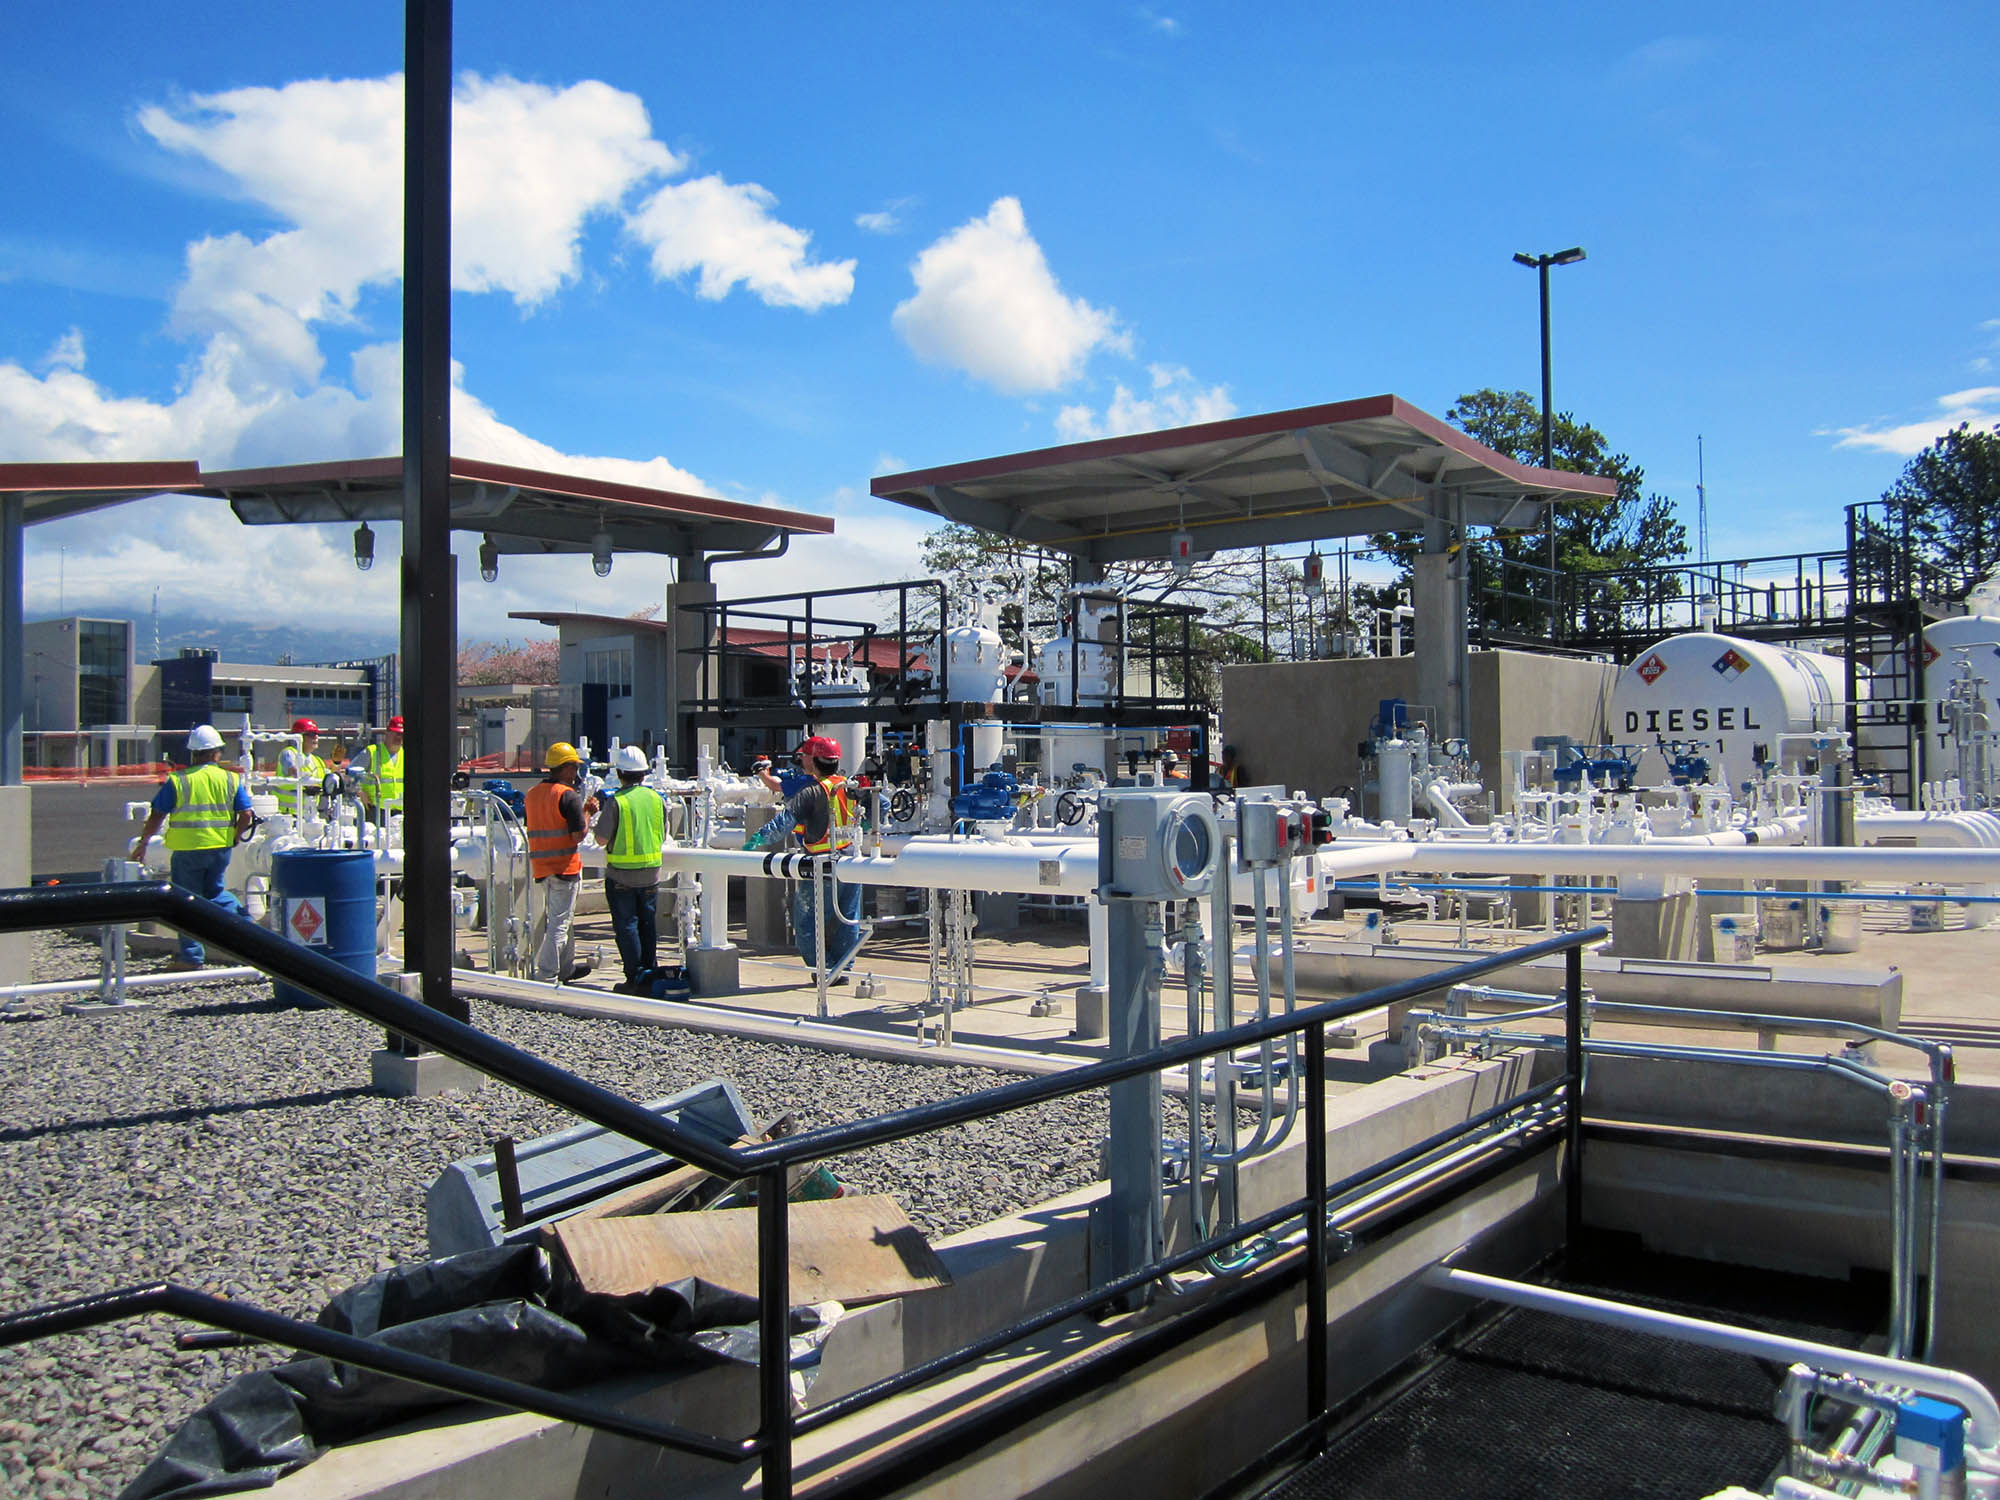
(1155, 845)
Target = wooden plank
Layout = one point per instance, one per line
(658, 1194)
(851, 1250)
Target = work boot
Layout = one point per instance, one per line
(577, 970)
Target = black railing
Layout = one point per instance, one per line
(1879, 580)
(768, 1164)
(800, 626)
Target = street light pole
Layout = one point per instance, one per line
(1540, 265)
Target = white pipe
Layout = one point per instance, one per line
(1711, 857)
(132, 982)
(1982, 1412)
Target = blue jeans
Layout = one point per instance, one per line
(634, 924)
(201, 871)
(843, 920)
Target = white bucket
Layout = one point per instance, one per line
(1840, 926)
(1784, 922)
(1734, 936)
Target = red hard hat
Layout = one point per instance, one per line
(304, 726)
(395, 725)
(819, 747)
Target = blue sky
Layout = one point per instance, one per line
(769, 253)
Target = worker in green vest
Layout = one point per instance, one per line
(632, 827)
(378, 769)
(301, 763)
(206, 809)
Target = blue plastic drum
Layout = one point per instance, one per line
(326, 901)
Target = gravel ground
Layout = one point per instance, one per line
(228, 1143)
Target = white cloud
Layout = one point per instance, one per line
(531, 166)
(726, 232)
(987, 303)
(1980, 406)
(1176, 400)
(66, 353)
(888, 219)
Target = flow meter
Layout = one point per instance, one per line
(1155, 845)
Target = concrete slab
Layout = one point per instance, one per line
(99, 1008)
(401, 1076)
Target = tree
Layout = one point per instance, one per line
(1629, 530)
(1239, 593)
(483, 663)
(1949, 496)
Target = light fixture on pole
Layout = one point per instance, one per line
(364, 547)
(1540, 264)
(489, 559)
(600, 552)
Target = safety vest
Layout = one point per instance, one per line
(382, 777)
(203, 815)
(641, 831)
(552, 848)
(840, 812)
(314, 770)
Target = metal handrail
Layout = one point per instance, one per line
(90, 905)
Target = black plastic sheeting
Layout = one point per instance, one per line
(499, 1311)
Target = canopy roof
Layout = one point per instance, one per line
(524, 510)
(1315, 473)
(51, 491)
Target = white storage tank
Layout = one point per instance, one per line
(846, 689)
(1732, 695)
(1947, 643)
(1085, 658)
(975, 659)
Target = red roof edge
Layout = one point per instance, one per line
(1360, 409)
(140, 478)
(575, 486)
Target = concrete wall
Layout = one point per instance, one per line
(48, 665)
(1301, 723)
(15, 831)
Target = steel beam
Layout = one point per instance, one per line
(429, 576)
(13, 567)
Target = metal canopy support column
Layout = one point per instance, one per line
(429, 638)
(1438, 590)
(13, 570)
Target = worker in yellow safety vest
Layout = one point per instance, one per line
(558, 817)
(379, 772)
(632, 827)
(301, 762)
(817, 814)
(206, 809)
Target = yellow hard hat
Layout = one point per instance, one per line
(561, 753)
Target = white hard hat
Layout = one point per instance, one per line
(204, 737)
(631, 758)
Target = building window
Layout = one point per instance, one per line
(230, 698)
(337, 703)
(612, 668)
(102, 673)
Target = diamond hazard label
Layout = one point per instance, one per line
(1931, 653)
(305, 921)
(1652, 669)
(1731, 665)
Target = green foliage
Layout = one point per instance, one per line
(1949, 495)
(1628, 530)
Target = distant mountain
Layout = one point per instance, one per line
(300, 642)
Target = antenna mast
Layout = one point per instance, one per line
(1701, 499)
